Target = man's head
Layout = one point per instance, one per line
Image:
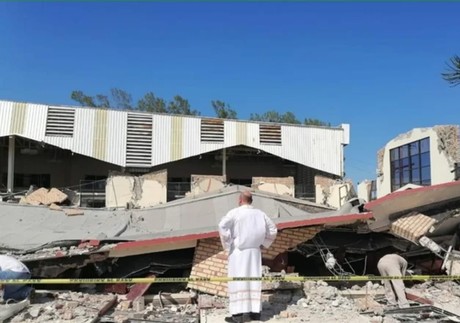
(245, 198)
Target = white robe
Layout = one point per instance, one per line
(243, 231)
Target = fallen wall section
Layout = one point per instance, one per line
(275, 185)
(206, 183)
(126, 191)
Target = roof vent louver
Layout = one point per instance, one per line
(212, 130)
(60, 122)
(270, 134)
(139, 140)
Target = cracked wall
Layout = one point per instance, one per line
(275, 185)
(201, 184)
(331, 192)
(126, 191)
(448, 142)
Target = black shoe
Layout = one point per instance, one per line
(254, 316)
(235, 318)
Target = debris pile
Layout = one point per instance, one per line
(66, 306)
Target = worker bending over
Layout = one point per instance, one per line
(395, 291)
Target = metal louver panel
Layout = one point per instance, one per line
(270, 134)
(60, 122)
(212, 130)
(139, 140)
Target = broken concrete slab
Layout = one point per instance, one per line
(9, 310)
(275, 185)
(45, 197)
(55, 207)
(201, 184)
(73, 212)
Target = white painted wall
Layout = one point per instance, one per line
(439, 161)
(335, 195)
(364, 190)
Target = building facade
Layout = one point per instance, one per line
(77, 147)
(422, 156)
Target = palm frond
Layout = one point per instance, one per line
(452, 76)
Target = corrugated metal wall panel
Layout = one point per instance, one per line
(161, 139)
(18, 118)
(35, 121)
(230, 133)
(191, 139)
(252, 135)
(6, 109)
(315, 147)
(116, 137)
(83, 133)
(174, 137)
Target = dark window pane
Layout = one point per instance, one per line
(415, 176)
(394, 188)
(425, 145)
(396, 180)
(425, 159)
(405, 176)
(426, 174)
(404, 151)
(394, 154)
(415, 161)
(426, 182)
(405, 162)
(414, 148)
(394, 165)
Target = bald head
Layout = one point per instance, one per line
(246, 198)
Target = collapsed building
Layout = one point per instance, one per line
(179, 238)
(166, 181)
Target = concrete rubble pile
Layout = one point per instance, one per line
(318, 301)
(65, 307)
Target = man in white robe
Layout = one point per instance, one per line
(243, 232)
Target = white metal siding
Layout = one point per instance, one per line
(161, 139)
(230, 133)
(316, 147)
(6, 109)
(116, 137)
(35, 121)
(253, 135)
(82, 142)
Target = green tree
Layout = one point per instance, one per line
(223, 110)
(151, 103)
(179, 105)
(274, 116)
(83, 99)
(121, 99)
(452, 76)
(316, 122)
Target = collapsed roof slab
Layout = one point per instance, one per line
(174, 225)
(26, 227)
(391, 206)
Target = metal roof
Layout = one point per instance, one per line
(139, 139)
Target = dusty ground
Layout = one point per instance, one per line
(313, 302)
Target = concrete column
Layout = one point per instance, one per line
(11, 149)
(224, 163)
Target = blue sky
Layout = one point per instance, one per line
(374, 65)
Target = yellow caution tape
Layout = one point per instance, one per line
(152, 280)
